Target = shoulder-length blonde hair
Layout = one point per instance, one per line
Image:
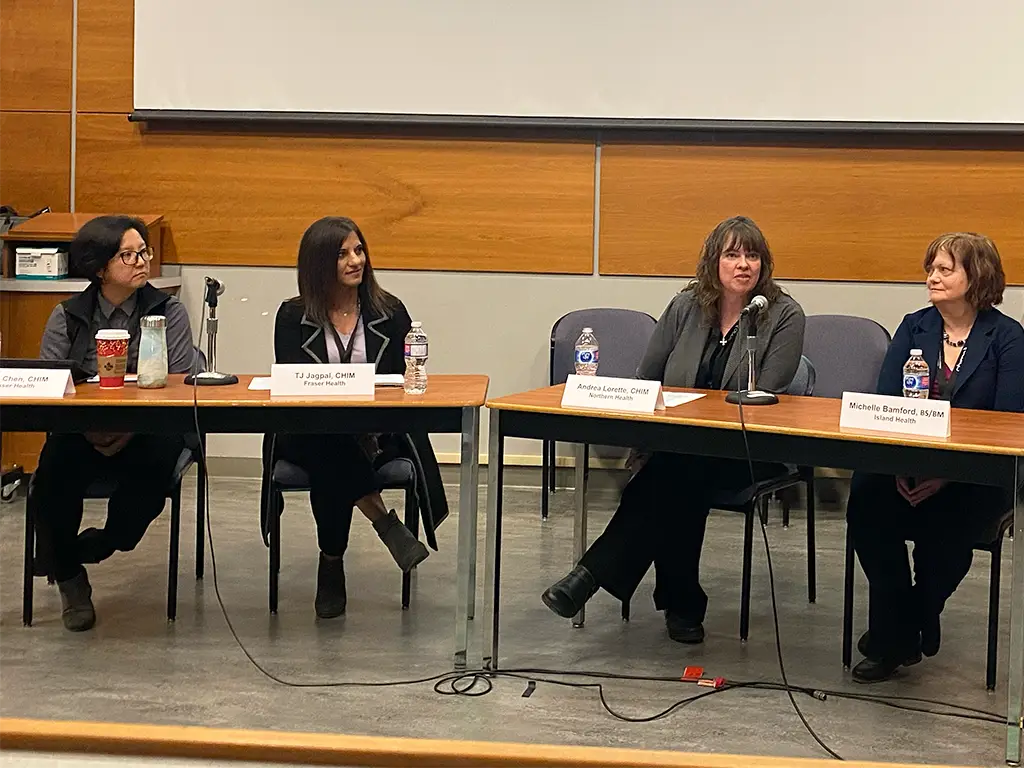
(734, 232)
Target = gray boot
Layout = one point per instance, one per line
(331, 597)
(78, 614)
(407, 550)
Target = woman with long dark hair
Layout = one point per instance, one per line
(664, 508)
(343, 315)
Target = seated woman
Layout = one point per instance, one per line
(113, 253)
(664, 508)
(342, 315)
(976, 357)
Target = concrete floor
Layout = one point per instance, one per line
(136, 667)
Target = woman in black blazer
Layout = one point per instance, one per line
(342, 315)
(976, 359)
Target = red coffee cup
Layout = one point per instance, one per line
(112, 357)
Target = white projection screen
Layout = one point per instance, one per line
(801, 61)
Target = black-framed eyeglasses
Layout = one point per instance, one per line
(132, 258)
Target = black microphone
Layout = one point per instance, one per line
(756, 304)
(214, 288)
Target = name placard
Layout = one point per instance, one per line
(352, 380)
(885, 413)
(36, 382)
(608, 394)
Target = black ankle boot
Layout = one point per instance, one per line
(569, 594)
(77, 611)
(684, 630)
(931, 634)
(331, 598)
(865, 649)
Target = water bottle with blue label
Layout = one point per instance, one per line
(916, 378)
(586, 353)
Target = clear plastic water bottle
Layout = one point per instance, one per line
(916, 378)
(586, 353)
(416, 360)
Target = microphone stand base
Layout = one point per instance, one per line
(751, 397)
(210, 379)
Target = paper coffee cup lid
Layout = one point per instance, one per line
(112, 334)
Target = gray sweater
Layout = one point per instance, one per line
(674, 352)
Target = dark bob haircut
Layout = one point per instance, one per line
(97, 242)
(986, 280)
(319, 252)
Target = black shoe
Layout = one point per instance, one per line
(77, 611)
(406, 549)
(331, 598)
(684, 630)
(94, 546)
(875, 670)
(568, 595)
(864, 649)
(931, 634)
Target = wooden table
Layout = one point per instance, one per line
(450, 404)
(984, 447)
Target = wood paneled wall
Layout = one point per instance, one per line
(829, 214)
(244, 198)
(35, 104)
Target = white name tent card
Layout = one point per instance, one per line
(50, 383)
(312, 380)
(886, 413)
(608, 394)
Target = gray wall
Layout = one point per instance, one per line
(497, 324)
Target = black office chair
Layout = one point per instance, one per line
(622, 335)
(103, 490)
(991, 541)
(397, 474)
(753, 500)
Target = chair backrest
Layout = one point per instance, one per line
(803, 382)
(622, 336)
(847, 353)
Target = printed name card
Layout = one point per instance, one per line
(608, 394)
(36, 382)
(353, 380)
(885, 413)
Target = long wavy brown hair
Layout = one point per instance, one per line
(735, 232)
(318, 270)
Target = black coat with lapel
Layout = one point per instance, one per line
(299, 340)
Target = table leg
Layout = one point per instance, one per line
(492, 547)
(579, 523)
(465, 572)
(1015, 705)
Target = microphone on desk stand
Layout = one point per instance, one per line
(752, 395)
(211, 378)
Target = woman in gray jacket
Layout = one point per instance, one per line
(663, 510)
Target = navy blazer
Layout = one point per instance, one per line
(991, 376)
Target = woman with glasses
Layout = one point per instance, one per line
(113, 253)
(664, 508)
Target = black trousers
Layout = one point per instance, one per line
(661, 519)
(340, 473)
(944, 529)
(142, 472)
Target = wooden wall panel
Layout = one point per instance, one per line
(245, 199)
(35, 160)
(829, 214)
(106, 31)
(35, 55)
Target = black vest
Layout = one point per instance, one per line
(79, 310)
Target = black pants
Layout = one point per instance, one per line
(661, 519)
(944, 529)
(340, 473)
(142, 473)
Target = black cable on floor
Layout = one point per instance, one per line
(771, 583)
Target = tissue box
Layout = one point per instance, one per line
(40, 263)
